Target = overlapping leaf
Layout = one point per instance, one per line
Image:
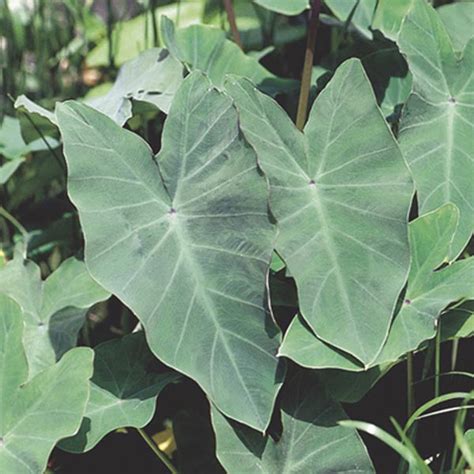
(360, 13)
(206, 49)
(54, 310)
(429, 289)
(436, 131)
(340, 194)
(36, 414)
(184, 240)
(311, 441)
(154, 77)
(123, 391)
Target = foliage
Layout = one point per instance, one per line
(249, 293)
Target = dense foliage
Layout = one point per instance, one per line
(184, 267)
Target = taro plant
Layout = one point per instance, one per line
(279, 262)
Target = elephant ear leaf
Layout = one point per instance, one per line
(184, 240)
(43, 409)
(54, 310)
(311, 441)
(329, 188)
(436, 129)
(123, 391)
(430, 288)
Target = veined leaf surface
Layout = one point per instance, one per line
(123, 391)
(312, 441)
(36, 414)
(341, 198)
(54, 310)
(429, 290)
(184, 240)
(436, 130)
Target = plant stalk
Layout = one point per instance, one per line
(410, 385)
(5, 214)
(308, 64)
(437, 360)
(160, 454)
(232, 22)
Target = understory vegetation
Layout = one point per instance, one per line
(236, 236)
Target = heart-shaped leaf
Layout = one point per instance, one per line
(123, 391)
(429, 290)
(330, 189)
(153, 77)
(35, 415)
(360, 13)
(437, 124)
(54, 311)
(184, 240)
(206, 49)
(312, 441)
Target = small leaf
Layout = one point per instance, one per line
(311, 441)
(54, 310)
(28, 106)
(437, 123)
(123, 391)
(153, 77)
(458, 322)
(329, 188)
(362, 15)
(429, 290)
(184, 240)
(35, 415)
(206, 49)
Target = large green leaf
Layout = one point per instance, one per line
(153, 77)
(286, 7)
(312, 441)
(123, 391)
(35, 415)
(206, 49)
(429, 290)
(184, 240)
(341, 197)
(436, 131)
(54, 310)
(458, 18)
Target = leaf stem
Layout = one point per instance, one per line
(160, 454)
(437, 360)
(308, 64)
(5, 214)
(232, 22)
(410, 385)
